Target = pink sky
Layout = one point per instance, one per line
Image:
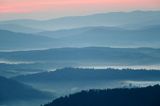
(71, 7)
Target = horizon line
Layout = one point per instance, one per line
(69, 16)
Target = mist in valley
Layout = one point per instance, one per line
(44, 60)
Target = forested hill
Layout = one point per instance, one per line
(148, 96)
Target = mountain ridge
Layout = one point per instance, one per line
(12, 90)
(104, 19)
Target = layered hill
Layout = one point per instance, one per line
(15, 41)
(12, 90)
(134, 19)
(69, 80)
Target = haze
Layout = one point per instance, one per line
(46, 9)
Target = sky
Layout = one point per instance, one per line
(46, 9)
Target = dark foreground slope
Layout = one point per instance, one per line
(148, 96)
(11, 91)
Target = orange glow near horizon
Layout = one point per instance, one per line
(26, 6)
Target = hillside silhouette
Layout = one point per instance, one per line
(11, 90)
(148, 96)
